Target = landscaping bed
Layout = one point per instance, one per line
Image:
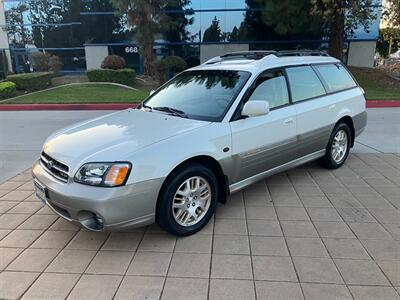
(377, 84)
(82, 93)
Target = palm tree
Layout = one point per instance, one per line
(143, 16)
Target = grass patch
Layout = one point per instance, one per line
(377, 84)
(83, 93)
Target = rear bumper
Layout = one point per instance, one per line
(118, 208)
(360, 122)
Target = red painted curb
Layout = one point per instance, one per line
(121, 106)
(382, 103)
(89, 106)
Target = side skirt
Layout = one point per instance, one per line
(292, 164)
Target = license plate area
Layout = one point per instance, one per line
(40, 191)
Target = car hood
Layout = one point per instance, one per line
(116, 136)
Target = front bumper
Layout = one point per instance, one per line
(119, 208)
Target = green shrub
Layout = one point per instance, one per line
(31, 81)
(124, 76)
(7, 89)
(171, 65)
(175, 63)
(41, 61)
(113, 62)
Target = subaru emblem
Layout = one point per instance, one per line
(50, 164)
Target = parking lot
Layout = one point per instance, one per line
(308, 233)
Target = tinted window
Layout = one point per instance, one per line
(271, 87)
(304, 83)
(202, 95)
(336, 77)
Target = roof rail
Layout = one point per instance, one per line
(248, 54)
(257, 55)
(301, 53)
(240, 55)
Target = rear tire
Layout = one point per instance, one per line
(187, 200)
(338, 147)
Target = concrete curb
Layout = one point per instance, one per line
(121, 106)
(383, 103)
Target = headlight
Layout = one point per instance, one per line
(103, 174)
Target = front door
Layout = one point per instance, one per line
(262, 143)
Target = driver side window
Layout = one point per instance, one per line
(271, 87)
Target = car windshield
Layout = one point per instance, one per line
(202, 95)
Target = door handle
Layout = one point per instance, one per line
(288, 121)
(333, 106)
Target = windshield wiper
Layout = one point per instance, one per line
(172, 111)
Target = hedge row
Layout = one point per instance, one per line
(124, 76)
(7, 89)
(31, 81)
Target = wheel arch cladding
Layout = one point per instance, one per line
(210, 163)
(349, 121)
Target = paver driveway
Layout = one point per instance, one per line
(307, 233)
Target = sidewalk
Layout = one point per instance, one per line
(309, 233)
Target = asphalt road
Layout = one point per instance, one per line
(22, 134)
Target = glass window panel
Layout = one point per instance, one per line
(271, 87)
(336, 77)
(203, 95)
(304, 83)
(73, 60)
(218, 4)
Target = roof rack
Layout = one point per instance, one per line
(257, 55)
(301, 53)
(248, 54)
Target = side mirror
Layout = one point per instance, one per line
(152, 92)
(255, 108)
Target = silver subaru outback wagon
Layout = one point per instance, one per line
(210, 131)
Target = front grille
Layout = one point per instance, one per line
(54, 167)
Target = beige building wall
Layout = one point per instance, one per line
(3, 34)
(362, 54)
(95, 56)
(209, 51)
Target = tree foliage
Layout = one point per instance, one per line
(213, 33)
(382, 45)
(19, 36)
(174, 22)
(340, 17)
(290, 17)
(391, 13)
(144, 17)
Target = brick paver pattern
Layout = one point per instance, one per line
(308, 233)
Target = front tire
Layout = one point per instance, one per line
(338, 148)
(187, 200)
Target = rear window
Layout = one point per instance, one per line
(336, 77)
(304, 83)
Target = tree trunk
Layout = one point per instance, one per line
(336, 35)
(148, 60)
(390, 47)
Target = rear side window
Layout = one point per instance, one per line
(304, 83)
(336, 77)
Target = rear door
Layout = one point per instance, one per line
(314, 110)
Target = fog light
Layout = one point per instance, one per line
(91, 220)
(99, 220)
